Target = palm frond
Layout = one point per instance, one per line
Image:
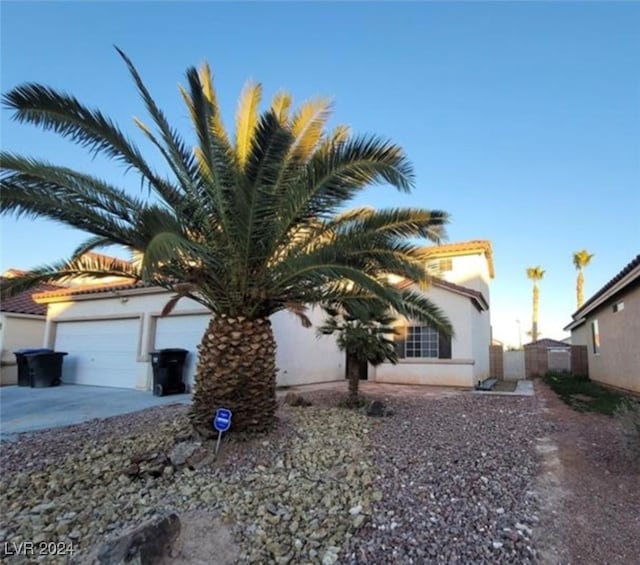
(91, 244)
(300, 311)
(247, 119)
(175, 149)
(86, 266)
(418, 307)
(65, 115)
(280, 106)
(307, 126)
(215, 120)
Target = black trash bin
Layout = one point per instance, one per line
(168, 367)
(24, 378)
(45, 368)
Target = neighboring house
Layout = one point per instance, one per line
(109, 329)
(608, 324)
(22, 324)
(546, 355)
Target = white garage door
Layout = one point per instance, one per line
(184, 332)
(100, 352)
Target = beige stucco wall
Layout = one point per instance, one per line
(435, 372)
(471, 271)
(618, 361)
(481, 340)
(460, 370)
(301, 356)
(17, 331)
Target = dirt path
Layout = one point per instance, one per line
(590, 495)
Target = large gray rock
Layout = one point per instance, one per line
(182, 451)
(144, 545)
(293, 399)
(376, 409)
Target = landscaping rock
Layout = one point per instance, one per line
(376, 409)
(293, 399)
(182, 451)
(144, 545)
(327, 485)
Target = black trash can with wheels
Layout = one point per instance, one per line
(45, 369)
(24, 378)
(168, 368)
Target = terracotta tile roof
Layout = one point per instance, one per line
(43, 297)
(476, 296)
(23, 302)
(459, 289)
(463, 248)
(123, 263)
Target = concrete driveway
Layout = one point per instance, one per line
(25, 409)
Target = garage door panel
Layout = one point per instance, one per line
(185, 332)
(100, 352)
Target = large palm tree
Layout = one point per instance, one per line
(247, 225)
(535, 274)
(581, 259)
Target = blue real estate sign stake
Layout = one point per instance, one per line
(221, 422)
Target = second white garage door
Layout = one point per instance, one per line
(100, 352)
(184, 332)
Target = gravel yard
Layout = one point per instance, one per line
(449, 479)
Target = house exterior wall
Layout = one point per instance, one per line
(617, 362)
(457, 371)
(481, 340)
(301, 357)
(467, 270)
(17, 331)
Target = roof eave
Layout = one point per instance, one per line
(80, 295)
(610, 293)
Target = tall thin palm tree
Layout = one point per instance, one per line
(247, 225)
(581, 259)
(535, 274)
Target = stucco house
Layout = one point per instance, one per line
(462, 273)
(109, 329)
(608, 323)
(22, 324)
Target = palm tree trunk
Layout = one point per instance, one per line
(354, 381)
(236, 370)
(580, 288)
(536, 304)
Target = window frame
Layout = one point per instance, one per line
(433, 336)
(445, 344)
(445, 264)
(595, 337)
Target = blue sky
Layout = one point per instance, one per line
(522, 119)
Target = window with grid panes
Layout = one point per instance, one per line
(421, 341)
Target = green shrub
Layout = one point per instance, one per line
(583, 394)
(628, 417)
